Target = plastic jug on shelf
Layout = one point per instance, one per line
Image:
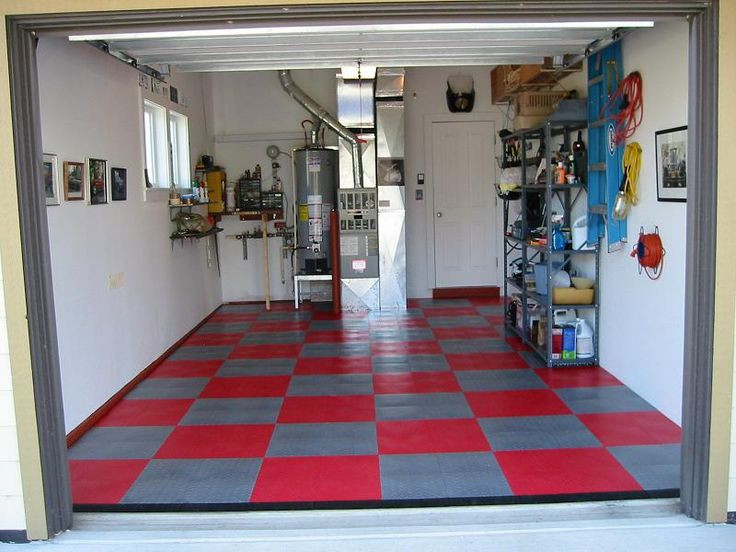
(583, 339)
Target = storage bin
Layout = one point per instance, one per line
(572, 296)
(537, 103)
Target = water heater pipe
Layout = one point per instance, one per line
(324, 116)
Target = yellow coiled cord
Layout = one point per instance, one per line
(632, 165)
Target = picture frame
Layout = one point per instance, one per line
(118, 184)
(73, 180)
(51, 178)
(97, 181)
(671, 153)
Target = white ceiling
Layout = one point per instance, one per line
(312, 49)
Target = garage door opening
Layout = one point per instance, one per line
(291, 406)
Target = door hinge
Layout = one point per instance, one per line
(496, 262)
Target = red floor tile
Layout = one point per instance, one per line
(588, 376)
(502, 404)
(553, 472)
(413, 303)
(103, 481)
(415, 382)
(247, 386)
(213, 339)
(220, 441)
(483, 301)
(234, 317)
(486, 361)
(332, 365)
(280, 326)
(406, 348)
(359, 408)
(329, 315)
(187, 369)
(267, 351)
(336, 336)
(517, 344)
(496, 320)
(453, 311)
(325, 478)
(632, 428)
(146, 412)
(430, 436)
(464, 333)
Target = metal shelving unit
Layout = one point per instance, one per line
(521, 250)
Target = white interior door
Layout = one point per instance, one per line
(464, 206)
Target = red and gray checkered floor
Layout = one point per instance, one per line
(305, 407)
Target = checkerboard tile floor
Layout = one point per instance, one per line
(305, 406)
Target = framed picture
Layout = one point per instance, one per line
(51, 178)
(118, 184)
(73, 180)
(97, 180)
(671, 147)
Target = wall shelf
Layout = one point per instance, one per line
(195, 235)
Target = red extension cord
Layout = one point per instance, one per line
(627, 104)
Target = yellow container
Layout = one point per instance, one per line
(215, 185)
(572, 296)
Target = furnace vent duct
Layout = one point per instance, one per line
(322, 115)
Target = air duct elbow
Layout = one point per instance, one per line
(322, 115)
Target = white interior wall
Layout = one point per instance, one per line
(250, 111)
(642, 321)
(91, 106)
(12, 514)
(424, 99)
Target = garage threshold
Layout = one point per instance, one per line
(523, 526)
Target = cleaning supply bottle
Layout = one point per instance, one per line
(560, 172)
(558, 238)
(580, 155)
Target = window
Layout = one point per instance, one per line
(166, 137)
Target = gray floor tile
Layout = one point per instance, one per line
(395, 315)
(168, 388)
(224, 328)
(195, 481)
(537, 432)
(403, 334)
(330, 385)
(455, 475)
(272, 338)
(257, 367)
(336, 349)
(284, 316)
(444, 303)
(238, 309)
(354, 438)
(491, 310)
(409, 363)
(498, 380)
(458, 322)
(482, 345)
(588, 400)
(428, 406)
(653, 466)
(233, 411)
(201, 353)
(532, 359)
(113, 443)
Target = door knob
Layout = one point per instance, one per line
(439, 214)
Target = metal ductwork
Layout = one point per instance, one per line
(324, 116)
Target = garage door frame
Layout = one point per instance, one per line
(701, 251)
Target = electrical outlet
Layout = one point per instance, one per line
(117, 280)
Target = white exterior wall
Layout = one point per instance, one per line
(91, 106)
(12, 514)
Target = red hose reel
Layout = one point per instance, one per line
(650, 253)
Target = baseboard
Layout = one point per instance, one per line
(466, 292)
(15, 537)
(74, 435)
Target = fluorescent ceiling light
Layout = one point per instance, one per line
(366, 28)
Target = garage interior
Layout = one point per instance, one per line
(190, 376)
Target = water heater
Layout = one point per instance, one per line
(316, 174)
